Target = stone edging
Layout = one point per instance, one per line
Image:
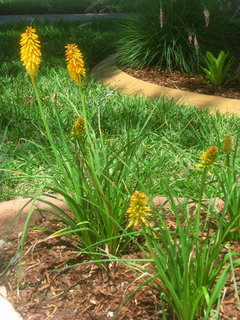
(9, 210)
(108, 73)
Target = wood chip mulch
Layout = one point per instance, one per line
(82, 292)
(183, 81)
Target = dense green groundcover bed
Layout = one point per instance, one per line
(175, 136)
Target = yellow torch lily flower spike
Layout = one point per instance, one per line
(75, 63)
(138, 209)
(208, 157)
(78, 129)
(30, 52)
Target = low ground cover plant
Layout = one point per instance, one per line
(99, 165)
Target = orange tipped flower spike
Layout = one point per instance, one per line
(75, 63)
(30, 52)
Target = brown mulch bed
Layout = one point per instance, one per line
(85, 291)
(82, 292)
(181, 81)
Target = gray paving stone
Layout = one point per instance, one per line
(66, 17)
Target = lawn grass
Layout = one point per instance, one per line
(174, 137)
(63, 6)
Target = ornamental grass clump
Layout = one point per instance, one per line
(176, 35)
(90, 173)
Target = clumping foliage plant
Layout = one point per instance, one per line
(217, 69)
(188, 267)
(90, 173)
(176, 34)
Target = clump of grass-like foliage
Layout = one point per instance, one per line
(176, 34)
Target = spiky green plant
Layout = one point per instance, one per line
(175, 34)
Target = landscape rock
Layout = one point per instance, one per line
(7, 310)
(10, 209)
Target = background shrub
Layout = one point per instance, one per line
(182, 38)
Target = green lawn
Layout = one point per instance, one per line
(174, 136)
(63, 6)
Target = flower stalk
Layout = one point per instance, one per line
(196, 44)
(30, 55)
(227, 148)
(206, 16)
(161, 17)
(76, 69)
(206, 161)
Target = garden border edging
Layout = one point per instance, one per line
(109, 74)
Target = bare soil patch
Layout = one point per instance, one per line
(183, 81)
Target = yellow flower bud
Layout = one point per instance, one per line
(208, 157)
(78, 129)
(227, 144)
